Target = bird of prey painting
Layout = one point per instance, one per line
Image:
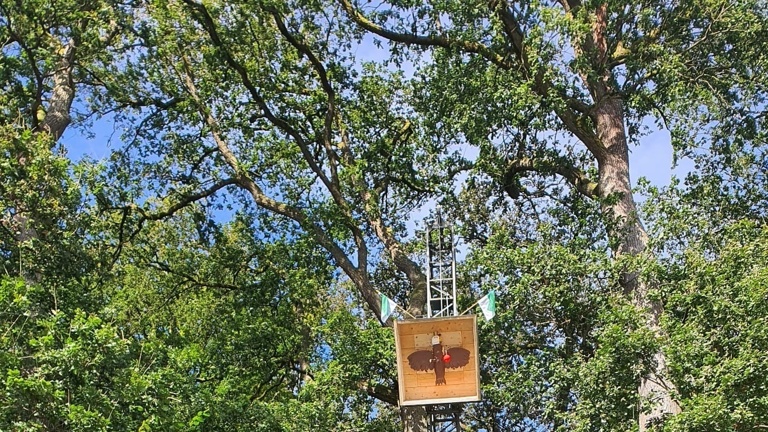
(438, 359)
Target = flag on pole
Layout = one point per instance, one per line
(387, 307)
(488, 305)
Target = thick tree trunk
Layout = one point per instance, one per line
(57, 115)
(414, 418)
(619, 208)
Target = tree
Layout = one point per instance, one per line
(293, 127)
(263, 106)
(560, 88)
(238, 321)
(189, 326)
(48, 52)
(710, 235)
(113, 84)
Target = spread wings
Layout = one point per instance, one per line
(421, 360)
(459, 358)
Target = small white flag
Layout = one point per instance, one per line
(488, 305)
(387, 307)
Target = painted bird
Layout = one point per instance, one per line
(438, 359)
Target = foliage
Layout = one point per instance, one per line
(567, 350)
(713, 282)
(37, 194)
(220, 270)
(716, 303)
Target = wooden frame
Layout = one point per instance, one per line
(420, 387)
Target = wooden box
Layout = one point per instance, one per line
(419, 387)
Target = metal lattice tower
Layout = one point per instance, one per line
(441, 302)
(441, 268)
(444, 418)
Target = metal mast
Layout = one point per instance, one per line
(441, 302)
(441, 268)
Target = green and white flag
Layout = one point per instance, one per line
(387, 307)
(488, 305)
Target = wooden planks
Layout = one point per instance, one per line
(418, 387)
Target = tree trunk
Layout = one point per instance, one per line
(57, 115)
(56, 120)
(619, 208)
(414, 418)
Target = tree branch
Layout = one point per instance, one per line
(570, 116)
(561, 167)
(187, 200)
(380, 392)
(578, 124)
(333, 160)
(154, 216)
(434, 41)
(192, 280)
(322, 74)
(512, 30)
(332, 185)
(358, 275)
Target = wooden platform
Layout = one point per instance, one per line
(419, 388)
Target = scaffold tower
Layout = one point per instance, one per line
(441, 268)
(441, 296)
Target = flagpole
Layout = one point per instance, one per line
(396, 305)
(473, 306)
(404, 310)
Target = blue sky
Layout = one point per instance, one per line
(651, 159)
